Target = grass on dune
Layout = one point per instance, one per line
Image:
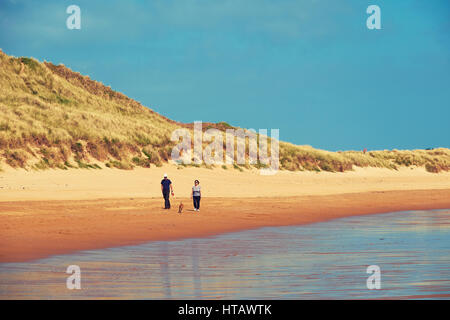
(52, 117)
(47, 117)
(307, 158)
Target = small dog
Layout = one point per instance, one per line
(180, 207)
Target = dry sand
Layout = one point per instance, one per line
(19, 185)
(55, 212)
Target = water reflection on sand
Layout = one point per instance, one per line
(318, 261)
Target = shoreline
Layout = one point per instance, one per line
(33, 230)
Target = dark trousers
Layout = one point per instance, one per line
(196, 202)
(166, 195)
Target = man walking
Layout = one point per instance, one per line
(166, 188)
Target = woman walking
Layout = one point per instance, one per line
(196, 194)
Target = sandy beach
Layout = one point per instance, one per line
(56, 212)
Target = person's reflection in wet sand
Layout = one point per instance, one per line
(196, 270)
(164, 263)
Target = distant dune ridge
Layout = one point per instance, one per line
(53, 117)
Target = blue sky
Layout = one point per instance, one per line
(310, 68)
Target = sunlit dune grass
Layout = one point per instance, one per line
(52, 117)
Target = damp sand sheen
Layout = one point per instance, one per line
(411, 248)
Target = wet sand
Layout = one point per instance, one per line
(37, 229)
(326, 260)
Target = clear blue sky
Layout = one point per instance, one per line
(308, 67)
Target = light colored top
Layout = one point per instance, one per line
(196, 191)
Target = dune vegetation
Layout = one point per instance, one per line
(53, 117)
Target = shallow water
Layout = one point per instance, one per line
(325, 260)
